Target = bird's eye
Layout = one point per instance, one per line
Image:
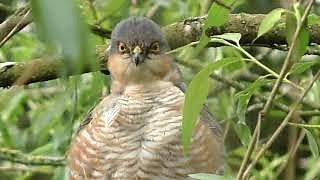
(122, 47)
(155, 47)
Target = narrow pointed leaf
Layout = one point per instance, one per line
(269, 21)
(196, 95)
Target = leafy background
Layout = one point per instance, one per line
(39, 119)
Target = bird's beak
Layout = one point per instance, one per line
(137, 56)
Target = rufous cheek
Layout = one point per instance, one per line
(117, 67)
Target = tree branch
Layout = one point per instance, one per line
(15, 23)
(178, 34)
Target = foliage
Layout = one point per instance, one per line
(233, 80)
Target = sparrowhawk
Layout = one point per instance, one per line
(135, 132)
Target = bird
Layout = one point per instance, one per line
(135, 131)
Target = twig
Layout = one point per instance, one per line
(22, 168)
(292, 152)
(304, 125)
(275, 88)
(239, 86)
(93, 9)
(14, 24)
(281, 126)
(289, 56)
(100, 31)
(19, 157)
(152, 11)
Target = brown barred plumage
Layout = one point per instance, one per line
(135, 132)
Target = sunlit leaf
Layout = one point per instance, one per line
(269, 21)
(312, 143)
(196, 95)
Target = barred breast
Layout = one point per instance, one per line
(142, 139)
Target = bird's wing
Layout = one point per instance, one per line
(83, 154)
(105, 106)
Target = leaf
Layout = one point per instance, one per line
(113, 7)
(313, 19)
(234, 37)
(63, 29)
(43, 150)
(206, 176)
(243, 132)
(196, 95)
(269, 21)
(303, 38)
(312, 143)
(243, 101)
(301, 67)
(245, 95)
(5, 134)
(217, 16)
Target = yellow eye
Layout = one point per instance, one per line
(155, 47)
(122, 47)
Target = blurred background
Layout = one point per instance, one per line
(40, 118)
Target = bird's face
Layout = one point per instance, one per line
(137, 52)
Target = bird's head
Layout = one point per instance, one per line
(137, 52)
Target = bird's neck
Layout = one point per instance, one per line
(120, 88)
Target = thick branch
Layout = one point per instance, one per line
(42, 69)
(178, 34)
(16, 22)
(182, 33)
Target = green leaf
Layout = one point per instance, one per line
(313, 19)
(301, 67)
(269, 21)
(243, 100)
(196, 95)
(245, 95)
(303, 38)
(5, 135)
(312, 143)
(205, 176)
(217, 16)
(204, 40)
(62, 27)
(113, 7)
(234, 37)
(243, 132)
(43, 150)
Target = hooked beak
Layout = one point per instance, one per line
(137, 56)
